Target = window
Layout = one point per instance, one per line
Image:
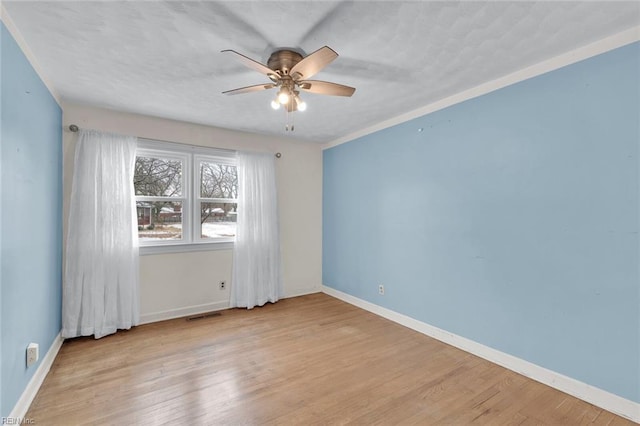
(218, 185)
(186, 197)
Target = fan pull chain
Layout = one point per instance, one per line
(293, 121)
(289, 124)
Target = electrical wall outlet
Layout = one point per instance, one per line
(223, 285)
(32, 354)
(381, 289)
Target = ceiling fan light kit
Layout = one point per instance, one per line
(289, 71)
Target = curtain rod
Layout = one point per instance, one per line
(74, 128)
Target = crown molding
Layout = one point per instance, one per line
(596, 48)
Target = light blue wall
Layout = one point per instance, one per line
(512, 219)
(31, 223)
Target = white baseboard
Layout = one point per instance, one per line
(182, 312)
(207, 307)
(24, 402)
(300, 292)
(596, 396)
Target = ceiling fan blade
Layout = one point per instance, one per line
(255, 65)
(311, 64)
(250, 89)
(326, 88)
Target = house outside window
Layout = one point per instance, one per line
(186, 197)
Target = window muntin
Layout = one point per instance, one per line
(185, 195)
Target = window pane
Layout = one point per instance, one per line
(218, 220)
(159, 221)
(160, 177)
(218, 180)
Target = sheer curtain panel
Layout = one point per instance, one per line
(100, 291)
(256, 276)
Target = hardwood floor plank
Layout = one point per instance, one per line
(311, 360)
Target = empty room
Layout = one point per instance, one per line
(320, 212)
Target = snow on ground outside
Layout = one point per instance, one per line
(174, 231)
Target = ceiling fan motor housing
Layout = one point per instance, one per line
(283, 61)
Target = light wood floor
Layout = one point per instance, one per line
(307, 360)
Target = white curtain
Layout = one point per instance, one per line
(100, 290)
(256, 277)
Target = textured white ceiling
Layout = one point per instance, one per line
(163, 58)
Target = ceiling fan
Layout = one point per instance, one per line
(289, 71)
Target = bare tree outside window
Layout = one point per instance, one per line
(158, 177)
(217, 181)
(162, 198)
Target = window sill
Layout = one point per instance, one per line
(184, 248)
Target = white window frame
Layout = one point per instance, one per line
(198, 199)
(191, 156)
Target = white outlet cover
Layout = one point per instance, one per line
(33, 353)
